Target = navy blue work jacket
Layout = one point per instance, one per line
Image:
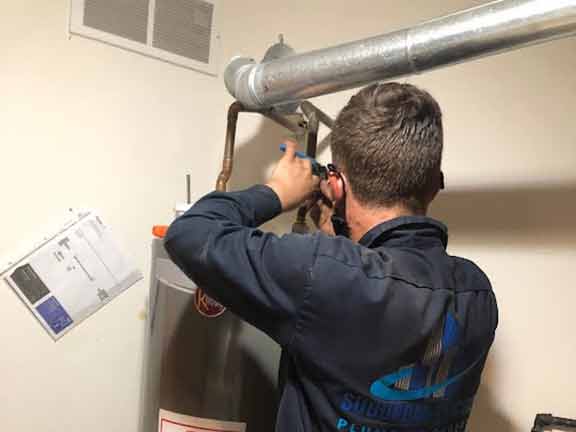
(386, 335)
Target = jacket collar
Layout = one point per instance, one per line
(407, 231)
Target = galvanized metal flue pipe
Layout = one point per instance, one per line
(489, 29)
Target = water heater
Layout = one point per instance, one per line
(215, 370)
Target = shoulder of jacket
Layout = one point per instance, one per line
(469, 273)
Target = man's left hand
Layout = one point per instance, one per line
(322, 210)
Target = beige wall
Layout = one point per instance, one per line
(85, 124)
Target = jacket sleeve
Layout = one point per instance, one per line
(259, 276)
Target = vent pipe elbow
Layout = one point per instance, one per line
(237, 77)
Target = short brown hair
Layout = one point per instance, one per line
(388, 141)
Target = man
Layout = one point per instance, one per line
(381, 329)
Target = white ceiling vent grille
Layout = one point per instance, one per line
(178, 31)
(124, 18)
(184, 27)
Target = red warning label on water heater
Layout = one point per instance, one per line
(206, 306)
(173, 422)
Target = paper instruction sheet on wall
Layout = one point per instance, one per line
(71, 273)
(173, 422)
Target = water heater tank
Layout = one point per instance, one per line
(208, 368)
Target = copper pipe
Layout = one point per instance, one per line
(228, 159)
(310, 128)
(230, 141)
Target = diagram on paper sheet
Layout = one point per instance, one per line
(71, 274)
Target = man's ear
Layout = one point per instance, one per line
(431, 195)
(336, 186)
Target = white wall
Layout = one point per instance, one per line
(83, 123)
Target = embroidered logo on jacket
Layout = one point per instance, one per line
(403, 397)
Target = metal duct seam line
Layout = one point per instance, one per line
(252, 85)
(409, 55)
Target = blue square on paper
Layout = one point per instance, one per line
(54, 315)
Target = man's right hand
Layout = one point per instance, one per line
(292, 179)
